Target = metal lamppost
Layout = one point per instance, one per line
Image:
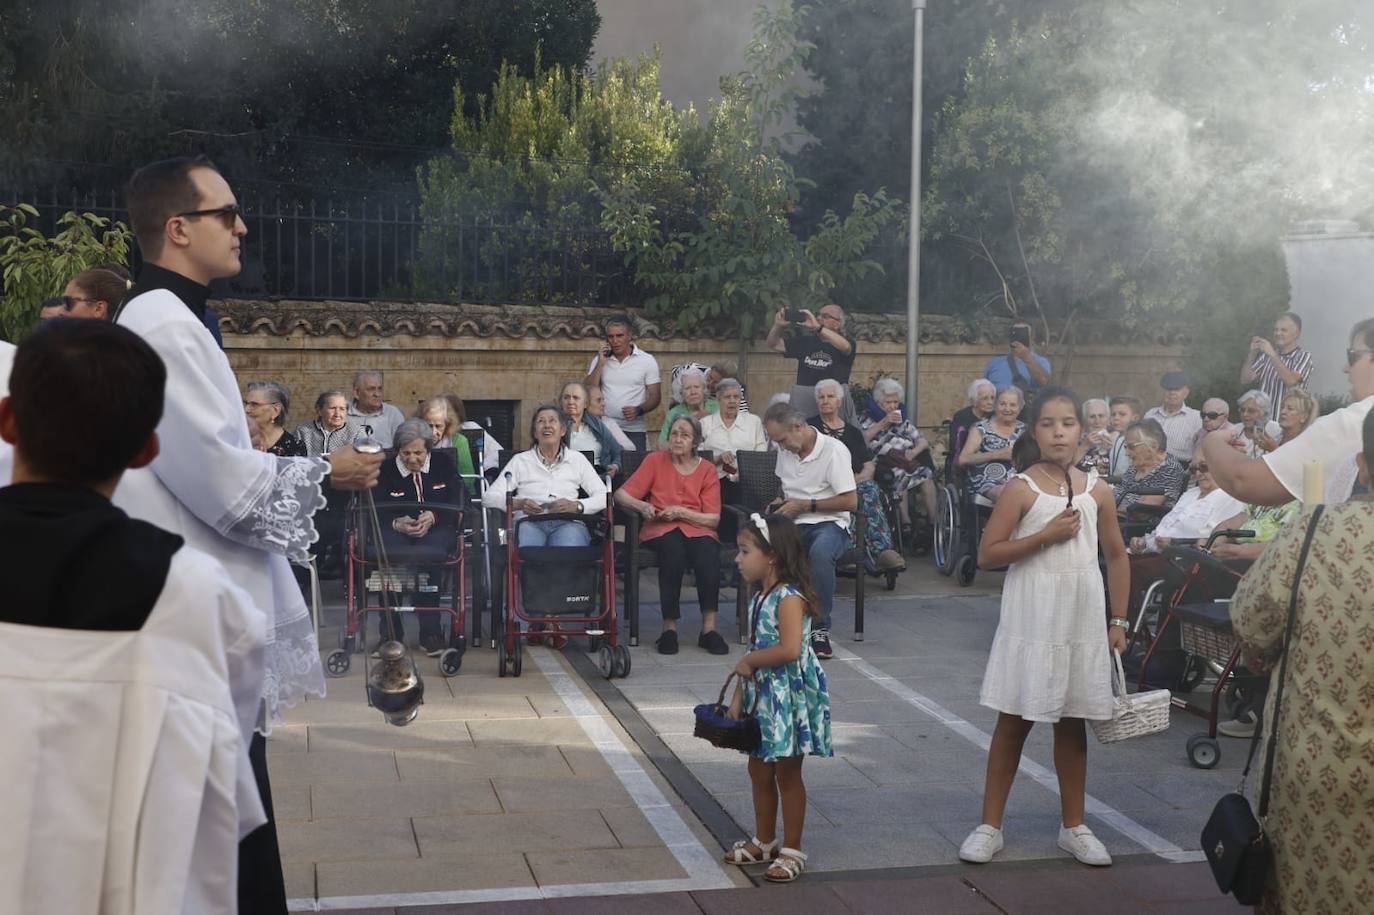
(913, 280)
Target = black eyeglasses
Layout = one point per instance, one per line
(229, 215)
(1352, 356)
(1211, 416)
(67, 302)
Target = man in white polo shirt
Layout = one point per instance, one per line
(818, 492)
(628, 377)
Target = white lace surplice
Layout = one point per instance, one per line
(250, 510)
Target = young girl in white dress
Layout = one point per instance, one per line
(1051, 657)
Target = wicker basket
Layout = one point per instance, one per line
(714, 725)
(1136, 714)
(1207, 641)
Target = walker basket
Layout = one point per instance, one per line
(560, 580)
(716, 727)
(1205, 630)
(1135, 714)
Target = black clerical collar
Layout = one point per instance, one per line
(151, 277)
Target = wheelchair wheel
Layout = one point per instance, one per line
(621, 661)
(605, 661)
(946, 528)
(1203, 751)
(501, 659)
(337, 662)
(967, 569)
(450, 661)
(517, 661)
(890, 580)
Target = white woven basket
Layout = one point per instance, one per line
(1135, 714)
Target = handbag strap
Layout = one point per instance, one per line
(1272, 747)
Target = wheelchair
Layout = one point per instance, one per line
(569, 589)
(434, 572)
(961, 515)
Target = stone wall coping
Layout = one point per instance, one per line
(283, 317)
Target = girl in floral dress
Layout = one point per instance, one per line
(785, 687)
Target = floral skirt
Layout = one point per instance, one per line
(877, 532)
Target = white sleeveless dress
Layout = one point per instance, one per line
(1050, 658)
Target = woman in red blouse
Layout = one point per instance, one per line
(678, 495)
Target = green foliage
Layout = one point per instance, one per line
(36, 267)
(741, 257)
(349, 92)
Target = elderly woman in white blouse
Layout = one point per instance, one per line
(730, 431)
(1256, 426)
(1196, 513)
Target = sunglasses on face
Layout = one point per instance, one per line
(1211, 416)
(1200, 468)
(1352, 356)
(228, 215)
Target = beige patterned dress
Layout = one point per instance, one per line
(1321, 806)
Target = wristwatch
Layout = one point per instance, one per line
(813, 506)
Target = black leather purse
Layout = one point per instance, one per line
(1234, 839)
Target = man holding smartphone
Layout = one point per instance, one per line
(1022, 365)
(823, 350)
(629, 379)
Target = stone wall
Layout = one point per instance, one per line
(524, 354)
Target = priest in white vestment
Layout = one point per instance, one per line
(251, 510)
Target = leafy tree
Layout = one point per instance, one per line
(740, 257)
(36, 267)
(353, 92)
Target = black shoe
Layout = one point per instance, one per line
(433, 645)
(667, 642)
(820, 644)
(713, 642)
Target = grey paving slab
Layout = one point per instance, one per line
(422, 875)
(347, 839)
(524, 794)
(483, 761)
(291, 802)
(349, 766)
(887, 844)
(559, 868)
(528, 732)
(934, 896)
(548, 830)
(379, 735)
(408, 798)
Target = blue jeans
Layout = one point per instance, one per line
(553, 533)
(825, 543)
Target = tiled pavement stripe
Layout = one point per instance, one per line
(1117, 820)
(704, 871)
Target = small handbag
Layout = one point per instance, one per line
(1234, 840)
(715, 726)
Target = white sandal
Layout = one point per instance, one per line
(740, 855)
(792, 863)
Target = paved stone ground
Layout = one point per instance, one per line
(500, 790)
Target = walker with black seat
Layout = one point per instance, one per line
(434, 573)
(569, 589)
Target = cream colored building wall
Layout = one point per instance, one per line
(503, 354)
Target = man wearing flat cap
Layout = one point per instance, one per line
(1181, 423)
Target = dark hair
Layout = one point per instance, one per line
(1026, 451)
(1368, 431)
(784, 544)
(105, 285)
(534, 420)
(157, 192)
(623, 320)
(691, 420)
(1363, 332)
(113, 379)
(1152, 430)
(1292, 316)
(785, 415)
(324, 398)
(1134, 403)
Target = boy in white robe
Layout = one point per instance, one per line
(131, 664)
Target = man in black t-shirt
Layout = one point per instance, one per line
(822, 350)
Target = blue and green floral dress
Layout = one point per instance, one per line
(793, 707)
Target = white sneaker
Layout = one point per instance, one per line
(981, 845)
(1083, 845)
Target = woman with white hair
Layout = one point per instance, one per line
(1095, 447)
(987, 450)
(1256, 426)
(731, 431)
(899, 446)
(695, 403)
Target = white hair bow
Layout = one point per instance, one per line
(762, 525)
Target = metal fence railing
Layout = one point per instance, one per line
(385, 246)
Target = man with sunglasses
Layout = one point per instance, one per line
(251, 510)
(824, 351)
(1216, 414)
(1332, 441)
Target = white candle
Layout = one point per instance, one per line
(1313, 489)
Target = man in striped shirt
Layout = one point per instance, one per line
(1180, 422)
(1276, 367)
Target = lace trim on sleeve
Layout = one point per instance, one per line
(292, 669)
(279, 514)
